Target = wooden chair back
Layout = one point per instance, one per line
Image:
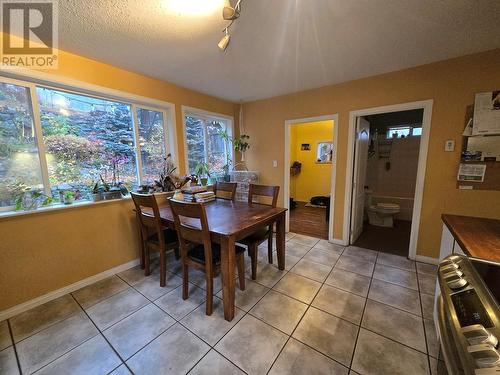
(192, 225)
(145, 219)
(263, 191)
(229, 188)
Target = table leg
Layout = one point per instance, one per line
(228, 275)
(280, 240)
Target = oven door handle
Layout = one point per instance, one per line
(446, 339)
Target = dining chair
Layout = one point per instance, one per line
(228, 189)
(154, 235)
(262, 192)
(197, 249)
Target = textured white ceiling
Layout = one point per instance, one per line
(277, 46)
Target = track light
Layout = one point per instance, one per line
(224, 42)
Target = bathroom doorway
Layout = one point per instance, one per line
(388, 161)
(310, 175)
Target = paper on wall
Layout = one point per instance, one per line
(471, 172)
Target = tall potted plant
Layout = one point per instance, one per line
(241, 145)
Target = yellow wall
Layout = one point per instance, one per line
(451, 84)
(314, 179)
(43, 252)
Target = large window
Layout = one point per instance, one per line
(205, 142)
(66, 140)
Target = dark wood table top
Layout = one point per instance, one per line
(231, 218)
(478, 237)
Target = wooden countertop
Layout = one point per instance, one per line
(478, 237)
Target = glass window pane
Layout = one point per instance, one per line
(216, 147)
(86, 137)
(416, 131)
(195, 142)
(152, 141)
(19, 160)
(398, 132)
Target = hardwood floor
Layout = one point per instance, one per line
(310, 221)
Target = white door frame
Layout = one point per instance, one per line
(286, 184)
(426, 105)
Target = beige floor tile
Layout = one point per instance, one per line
(431, 336)
(267, 274)
(92, 294)
(325, 245)
(429, 269)
(246, 299)
(395, 324)
(115, 308)
(311, 270)
(340, 303)
(8, 362)
(5, 339)
(356, 265)
(427, 283)
(150, 286)
(349, 281)
(298, 287)
(95, 356)
(137, 330)
(42, 348)
(252, 345)
(290, 261)
(304, 240)
(178, 308)
(211, 328)
(361, 253)
(396, 261)
(394, 275)
(121, 370)
(325, 257)
(213, 363)
(395, 295)
(427, 306)
(280, 311)
(328, 334)
(298, 359)
(174, 352)
(376, 355)
(43, 316)
(296, 249)
(133, 275)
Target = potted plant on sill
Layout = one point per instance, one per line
(97, 192)
(69, 197)
(203, 172)
(168, 181)
(29, 198)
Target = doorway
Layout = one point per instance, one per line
(310, 175)
(387, 153)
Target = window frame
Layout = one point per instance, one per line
(32, 80)
(205, 115)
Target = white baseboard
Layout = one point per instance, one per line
(65, 290)
(424, 259)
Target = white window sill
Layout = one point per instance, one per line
(60, 207)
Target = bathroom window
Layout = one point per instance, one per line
(403, 131)
(324, 152)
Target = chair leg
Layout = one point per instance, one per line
(240, 263)
(177, 253)
(163, 268)
(147, 261)
(209, 279)
(252, 251)
(185, 281)
(270, 247)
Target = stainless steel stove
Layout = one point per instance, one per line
(468, 315)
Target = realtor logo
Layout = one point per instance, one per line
(29, 38)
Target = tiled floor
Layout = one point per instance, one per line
(332, 311)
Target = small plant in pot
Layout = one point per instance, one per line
(241, 145)
(29, 198)
(203, 172)
(97, 192)
(168, 180)
(69, 197)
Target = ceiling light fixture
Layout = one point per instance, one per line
(229, 13)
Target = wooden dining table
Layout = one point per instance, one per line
(229, 222)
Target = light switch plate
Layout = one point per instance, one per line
(275, 163)
(449, 145)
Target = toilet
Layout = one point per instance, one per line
(381, 214)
